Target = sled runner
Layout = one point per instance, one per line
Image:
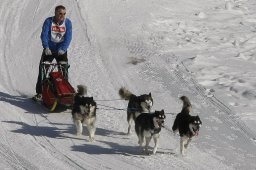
(56, 90)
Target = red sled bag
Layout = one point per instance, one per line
(62, 86)
(57, 90)
(49, 99)
(63, 90)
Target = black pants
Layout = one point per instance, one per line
(49, 58)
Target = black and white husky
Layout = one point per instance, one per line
(148, 125)
(84, 112)
(136, 105)
(187, 125)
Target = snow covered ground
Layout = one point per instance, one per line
(204, 49)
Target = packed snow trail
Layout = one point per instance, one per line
(111, 47)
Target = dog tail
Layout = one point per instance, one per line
(186, 102)
(124, 93)
(81, 90)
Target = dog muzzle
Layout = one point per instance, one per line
(196, 132)
(85, 113)
(161, 123)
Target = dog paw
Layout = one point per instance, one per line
(91, 139)
(183, 154)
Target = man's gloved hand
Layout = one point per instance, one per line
(61, 52)
(47, 51)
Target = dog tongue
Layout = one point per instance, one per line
(197, 133)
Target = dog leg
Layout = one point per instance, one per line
(183, 139)
(148, 139)
(91, 129)
(186, 145)
(156, 139)
(79, 127)
(129, 120)
(141, 140)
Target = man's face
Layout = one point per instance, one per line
(60, 15)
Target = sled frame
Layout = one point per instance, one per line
(46, 69)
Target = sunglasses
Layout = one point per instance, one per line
(62, 13)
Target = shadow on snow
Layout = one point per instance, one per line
(22, 102)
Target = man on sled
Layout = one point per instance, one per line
(56, 36)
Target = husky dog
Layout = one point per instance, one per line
(136, 105)
(187, 125)
(84, 112)
(148, 125)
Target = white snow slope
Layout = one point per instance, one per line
(204, 49)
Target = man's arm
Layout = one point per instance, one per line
(45, 33)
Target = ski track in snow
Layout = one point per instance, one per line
(51, 136)
(177, 80)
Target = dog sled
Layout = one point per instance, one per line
(56, 90)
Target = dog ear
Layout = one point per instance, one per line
(162, 110)
(149, 94)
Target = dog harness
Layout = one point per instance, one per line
(155, 131)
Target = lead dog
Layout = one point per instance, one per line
(84, 112)
(148, 125)
(188, 126)
(136, 105)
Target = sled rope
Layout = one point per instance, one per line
(130, 109)
(110, 100)
(167, 129)
(107, 109)
(113, 108)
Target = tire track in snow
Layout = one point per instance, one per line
(176, 79)
(82, 21)
(229, 113)
(10, 156)
(70, 158)
(14, 160)
(51, 148)
(7, 21)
